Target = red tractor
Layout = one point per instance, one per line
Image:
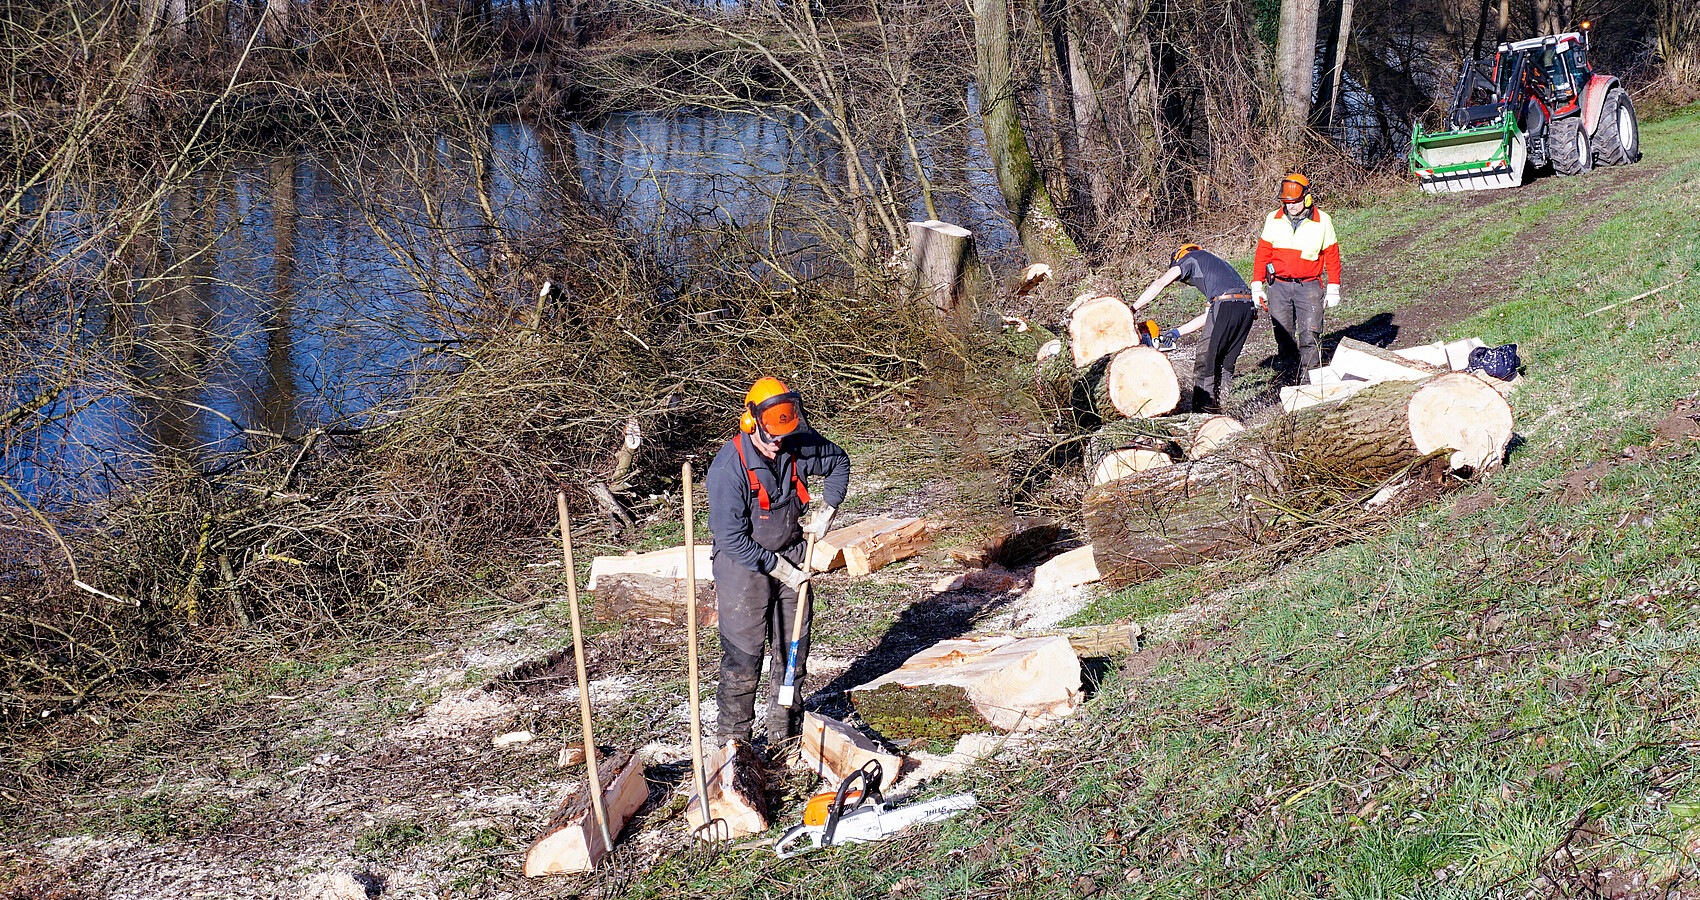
(1536, 102)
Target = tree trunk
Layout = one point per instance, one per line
(1334, 66)
(1295, 55)
(1240, 496)
(1096, 161)
(1029, 203)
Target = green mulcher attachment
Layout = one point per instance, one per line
(1470, 159)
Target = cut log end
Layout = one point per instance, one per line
(1142, 383)
(1099, 326)
(1462, 413)
(1122, 463)
(1212, 433)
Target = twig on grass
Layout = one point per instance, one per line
(1641, 296)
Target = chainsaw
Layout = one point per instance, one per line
(854, 815)
(1149, 336)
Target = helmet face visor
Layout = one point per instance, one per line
(779, 416)
(1291, 191)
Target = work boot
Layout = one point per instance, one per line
(736, 693)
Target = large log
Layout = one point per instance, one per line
(1155, 521)
(1141, 383)
(650, 598)
(1211, 434)
(1122, 463)
(572, 841)
(668, 563)
(960, 686)
(737, 794)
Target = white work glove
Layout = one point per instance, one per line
(788, 575)
(820, 521)
(1331, 299)
(1258, 295)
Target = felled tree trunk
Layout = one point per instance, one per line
(1162, 519)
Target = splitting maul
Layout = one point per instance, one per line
(853, 815)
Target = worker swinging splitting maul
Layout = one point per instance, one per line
(1297, 250)
(757, 489)
(1226, 320)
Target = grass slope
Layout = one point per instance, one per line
(1494, 697)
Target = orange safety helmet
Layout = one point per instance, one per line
(1181, 252)
(1295, 187)
(772, 406)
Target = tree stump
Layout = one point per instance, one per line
(944, 266)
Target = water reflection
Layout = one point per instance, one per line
(287, 291)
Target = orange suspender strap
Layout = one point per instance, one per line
(756, 485)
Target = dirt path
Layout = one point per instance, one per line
(397, 771)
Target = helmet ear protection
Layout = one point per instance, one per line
(1295, 187)
(1181, 253)
(772, 408)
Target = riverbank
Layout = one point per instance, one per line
(1492, 695)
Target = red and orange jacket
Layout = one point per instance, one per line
(1301, 252)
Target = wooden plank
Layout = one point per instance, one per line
(668, 563)
(1294, 399)
(905, 539)
(832, 750)
(737, 794)
(1371, 363)
(1428, 354)
(572, 842)
(1076, 567)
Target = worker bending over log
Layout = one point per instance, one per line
(757, 492)
(1226, 320)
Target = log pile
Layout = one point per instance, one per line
(1102, 373)
(1247, 492)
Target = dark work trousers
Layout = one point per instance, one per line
(1225, 330)
(754, 608)
(1296, 309)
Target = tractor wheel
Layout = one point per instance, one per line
(1617, 140)
(1567, 146)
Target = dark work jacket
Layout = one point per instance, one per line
(734, 509)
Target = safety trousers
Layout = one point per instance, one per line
(755, 608)
(1296, 309)
(1225, 329)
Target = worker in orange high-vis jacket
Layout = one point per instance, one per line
(1300, 256)
(758, 490)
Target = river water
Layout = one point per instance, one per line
(279, 292)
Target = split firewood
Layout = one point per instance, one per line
(1122, 463)
(737, 794)
(1149, 523)
(960, 686)
(626, 597)
(870, 544)
(668, 563)
(833, 750)
(1099, 325)
(1010, 544)
(1091, 641)
(1076, 567)
(572, 841)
